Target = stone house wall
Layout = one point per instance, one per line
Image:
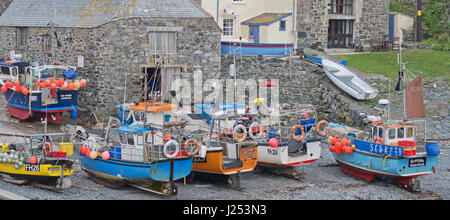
(371, 20)
(115, 50)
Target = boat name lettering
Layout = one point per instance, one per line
(32, 167)
(384, 149)
(66, 96)
(417, 162)
(272, 151)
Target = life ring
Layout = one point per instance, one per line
(171, 143)
(47, 144)
(321, 133)
(378, 140)
(235, 133)
(293, 129)
(191, 141)
(260, 131)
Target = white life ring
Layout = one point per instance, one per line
(259, 133)
(235, 133)
(169, 144)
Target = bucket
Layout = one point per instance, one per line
(66, 147)
(433, 149)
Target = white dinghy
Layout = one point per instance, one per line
(349, 81)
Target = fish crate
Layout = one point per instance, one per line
(409, 148)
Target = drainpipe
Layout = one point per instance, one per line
(217, 18)
(293, 24)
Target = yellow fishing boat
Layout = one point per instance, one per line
(36, 158)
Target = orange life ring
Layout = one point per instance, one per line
(378, 140)
(191, 141)
(47, 144)
(319, 132)
(293, 129)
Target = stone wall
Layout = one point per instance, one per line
(373, 22)
(116, 50)
(312, 23)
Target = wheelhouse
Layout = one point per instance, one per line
(392, 134)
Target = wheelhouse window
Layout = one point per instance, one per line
(340, 6)
(228, 27)
(392, 134)
(400, 132)
(410, 132)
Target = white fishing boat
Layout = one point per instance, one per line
(349, 81)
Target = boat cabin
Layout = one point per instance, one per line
(137, 143)
(392, 134)
(13, 70)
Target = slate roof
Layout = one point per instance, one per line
(266, 18)
(93, 13)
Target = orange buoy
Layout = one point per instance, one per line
(25, 91)
(83, 149)
(61, 82)
(348, 150)
(47, 82)
(4, 89)
(33, 159)
(332, 148)
(83, 82)
(70, 85)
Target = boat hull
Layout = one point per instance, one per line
(214, 162)
(19, 104)
(35, 173)
(135, 172)
(349, 90)
(279, 156)
(399, 170)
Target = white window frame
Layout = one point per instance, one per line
(226, 31)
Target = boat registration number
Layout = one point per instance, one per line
(417, 162)
(32, 167)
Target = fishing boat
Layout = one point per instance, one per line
(43, 91)
(131, 155)
(349, 81)
(316, 56)
(229, 152)
(288, 148)
(38, 158)
(393, 150)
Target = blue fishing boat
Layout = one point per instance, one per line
(28, 96)
(129, 157)
(393, 150)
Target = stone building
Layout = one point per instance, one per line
(341, 23)
(114, 43)
(334, 24)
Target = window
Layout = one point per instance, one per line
(401, 133)
(380, 132)
(123, 138)
(130, 139)
(391, 133)
(410, 133)
(340, 33)
(163, 42)
(140, 140)
(282, 25)
(228, 27)
(47, 43)
(251, 31)
(340, 6)
(21, 37)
